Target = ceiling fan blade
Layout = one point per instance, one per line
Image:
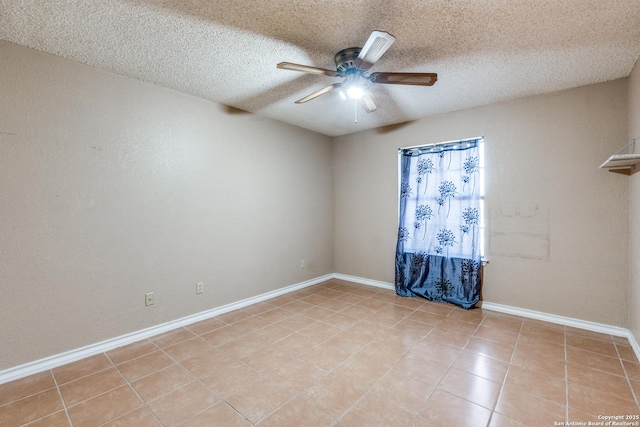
(307, 69)
(416, 79)
(373, 49)
(318, 93)
(369, 102)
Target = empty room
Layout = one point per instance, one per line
(340, 213)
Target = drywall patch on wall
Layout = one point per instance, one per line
(520, 232)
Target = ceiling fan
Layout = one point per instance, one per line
(353, 63)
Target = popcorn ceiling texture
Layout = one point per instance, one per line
(484, 51)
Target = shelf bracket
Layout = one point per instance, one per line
(626, 164)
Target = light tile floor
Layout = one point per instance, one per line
(341, 354)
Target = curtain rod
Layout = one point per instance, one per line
(440, 145)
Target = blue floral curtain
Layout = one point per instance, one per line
(438, 252)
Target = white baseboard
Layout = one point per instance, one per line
(523, 312)
(560, 320)
(54, 361)
(567, 321)
(363, 281)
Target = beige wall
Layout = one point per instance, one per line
(634, 205)
(110, 188)
(557, 225)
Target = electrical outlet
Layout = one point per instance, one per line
(148, 299)
(303, 263)
(199, 288)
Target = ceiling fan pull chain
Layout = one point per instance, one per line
(355, 111)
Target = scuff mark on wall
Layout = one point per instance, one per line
(520, 232)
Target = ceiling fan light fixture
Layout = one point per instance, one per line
(369, 102)
(355, 92)
(355, 89)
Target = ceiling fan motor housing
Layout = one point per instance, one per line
(346, 59)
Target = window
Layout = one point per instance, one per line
(426, 173)
(441, 221)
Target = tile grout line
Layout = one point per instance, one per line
(449, 368)
(618, 358)
(417, 415)
(144, 404)
(261, 374)
(506, 374)
(299, 395)
(196, 379)
(626, 375)
(386, 372)
(234, 409)
(15, 400)
(115, 365)
(64, 405)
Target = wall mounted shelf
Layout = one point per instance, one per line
(626, 164)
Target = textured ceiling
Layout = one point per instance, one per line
(484, 51)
